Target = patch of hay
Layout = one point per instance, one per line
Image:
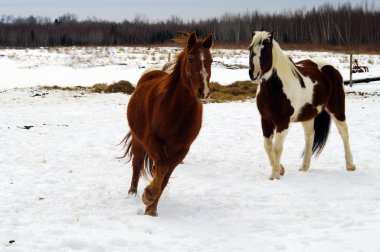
(120, 87)
(99, 88)
(76, 88)
(237, 91)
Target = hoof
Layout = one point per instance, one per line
(351, 167)
(132, 192)
(282, 171)
(153, 214)
(275, 175)
(147, 198)
(304, 169)
(151, 210)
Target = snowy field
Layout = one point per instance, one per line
(62, 188)
(86, 66)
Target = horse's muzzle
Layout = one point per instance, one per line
(202, 94)
(253, 78)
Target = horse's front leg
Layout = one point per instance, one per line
(153, 190)
(268, 131)
(151, 209)
(268, 145)
(278, 169)
(308, 127)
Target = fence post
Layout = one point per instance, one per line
(350, 69)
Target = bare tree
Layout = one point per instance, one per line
(342, 25)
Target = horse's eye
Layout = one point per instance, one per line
(191, 60)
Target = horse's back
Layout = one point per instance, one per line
(155, 108)
(142, 101)
(148, 85)
(313, 68)
(329, 90)
(151, 75)
(317, 64)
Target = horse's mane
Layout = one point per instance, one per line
(181, 37)
(281, 61)
(286, 63)
(279, 56)
(175, 75)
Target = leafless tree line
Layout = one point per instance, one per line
(326, 25)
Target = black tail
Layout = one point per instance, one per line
(148, 167)
(321, 128)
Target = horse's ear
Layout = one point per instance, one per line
(192, 40)
(271, 35)
(208, 41)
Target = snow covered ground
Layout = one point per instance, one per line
(62, 188)
(86, 66)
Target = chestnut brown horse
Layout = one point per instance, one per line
(165, 116)
(309, 91)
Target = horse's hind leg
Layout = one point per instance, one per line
(308, 127)
(138, 154)
(336, 108)
(343, 131)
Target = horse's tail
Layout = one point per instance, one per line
(322, 129)
(127, 145)
(148, 168)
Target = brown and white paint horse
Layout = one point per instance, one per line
(165, 116)
(308, 91)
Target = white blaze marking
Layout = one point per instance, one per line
(204, 75)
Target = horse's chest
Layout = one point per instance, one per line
(272, 102)
(182, 126)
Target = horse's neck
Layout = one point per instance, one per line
(282, 64)
(178, 82)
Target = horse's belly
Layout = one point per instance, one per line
(305, 113)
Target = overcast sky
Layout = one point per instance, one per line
(118, 10)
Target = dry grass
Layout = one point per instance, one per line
(119, 87)
(76, 88)
(309, 47)
(354, 49)
(237, 91)
(99, 88)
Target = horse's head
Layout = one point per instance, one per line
(260, 54)
(196, 64)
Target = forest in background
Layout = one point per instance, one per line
(344, 25)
